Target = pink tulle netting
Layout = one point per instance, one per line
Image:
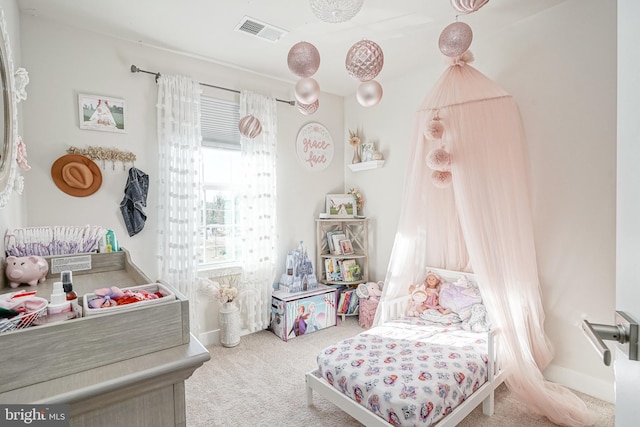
(481, 222)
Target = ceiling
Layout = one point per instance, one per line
(406, 30)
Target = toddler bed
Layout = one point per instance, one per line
(411, 371)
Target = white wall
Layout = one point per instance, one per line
(63, 62)
(561, 68)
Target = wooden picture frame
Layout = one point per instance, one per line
(102, 113)
(341, 206)
(368, 148)
(346, 247)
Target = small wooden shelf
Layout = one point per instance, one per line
(373, 164)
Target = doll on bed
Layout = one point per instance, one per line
(432, 283)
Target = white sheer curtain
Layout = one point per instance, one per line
(179, 138)
(482, 222)
(258, 213)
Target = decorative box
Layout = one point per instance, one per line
(167, 295)
(300, 313)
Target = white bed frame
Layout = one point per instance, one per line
(395, 309)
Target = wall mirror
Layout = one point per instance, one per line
(8, 117)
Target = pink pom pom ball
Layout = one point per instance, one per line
(439, 160)
(434, 130)
(441, 179)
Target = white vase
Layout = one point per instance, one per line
(229, 325)
(356, 155)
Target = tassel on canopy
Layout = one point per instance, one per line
(481, 223)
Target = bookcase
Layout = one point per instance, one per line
(342, 271)
(356, 233)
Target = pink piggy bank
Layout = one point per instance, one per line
(27, 269)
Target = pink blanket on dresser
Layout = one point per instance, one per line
(410, 372)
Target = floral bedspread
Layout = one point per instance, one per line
(410, 372)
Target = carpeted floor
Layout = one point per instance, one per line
(261, 383)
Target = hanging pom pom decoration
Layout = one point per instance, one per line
(441, 179)
(468, 6)
(434, 129)
(439, 160)
(364, 60)
(369, 93)
(249, 126)
(308, 109)
(307, 90)
(303, 59)
(455, 39)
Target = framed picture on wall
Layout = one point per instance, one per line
(341, 206)
(367, 151)
(101, 113)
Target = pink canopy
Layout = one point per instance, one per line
(481, 223)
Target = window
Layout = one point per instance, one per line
(221, 178)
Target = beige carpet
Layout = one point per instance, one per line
(261, 383)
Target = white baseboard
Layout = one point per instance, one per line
(578, 381)
(213, 337)
(209, 337)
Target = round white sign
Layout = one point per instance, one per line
(314, 146)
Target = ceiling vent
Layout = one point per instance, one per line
(260, 29)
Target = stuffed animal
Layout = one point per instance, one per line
(418, 297)
(477, 321)
(27, 269)
(369, 295)
(374, 291)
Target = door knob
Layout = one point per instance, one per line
(625, 332)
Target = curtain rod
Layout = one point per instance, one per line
(135, 69)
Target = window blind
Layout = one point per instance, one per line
(219, 123)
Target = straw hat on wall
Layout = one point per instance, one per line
(76, 175)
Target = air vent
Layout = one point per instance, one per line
(260, 29)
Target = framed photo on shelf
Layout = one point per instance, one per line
(367, 151)
(346, 247)
(101, 113)
(341, 206)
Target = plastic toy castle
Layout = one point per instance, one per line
(299, 274)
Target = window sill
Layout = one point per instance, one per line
(220, 270)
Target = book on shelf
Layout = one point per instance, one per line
(347, 298)
(353, 303)
(347, 267)
(328, 236)
(348, 302)
(346, 247)
(332, 269)
(335, 238)
(343, 296)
